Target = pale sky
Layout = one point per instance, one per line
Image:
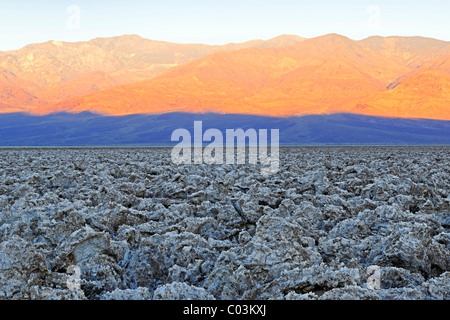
(217, 22)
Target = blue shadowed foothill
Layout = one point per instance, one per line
(87, 129)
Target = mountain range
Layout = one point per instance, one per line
(54, 71)
(288, 76)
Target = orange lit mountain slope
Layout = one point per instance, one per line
(424, 93)
(284, 76)
(87, 83)
(54, 71)
(410, 51)
(321, 75)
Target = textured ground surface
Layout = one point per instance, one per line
(138, 227)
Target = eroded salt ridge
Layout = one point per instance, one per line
(139, 227)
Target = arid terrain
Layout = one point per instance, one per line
(137, 226)
(406, 77)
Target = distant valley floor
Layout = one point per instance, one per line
(88, 129)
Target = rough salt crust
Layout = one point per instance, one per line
(140, 227)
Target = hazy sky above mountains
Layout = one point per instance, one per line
(217, 22)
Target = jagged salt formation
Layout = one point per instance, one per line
(139, 227)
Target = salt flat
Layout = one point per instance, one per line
(139, 227)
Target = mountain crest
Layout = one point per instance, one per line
(283, 76)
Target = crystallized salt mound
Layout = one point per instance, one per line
(181, 291)
(127, 224)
